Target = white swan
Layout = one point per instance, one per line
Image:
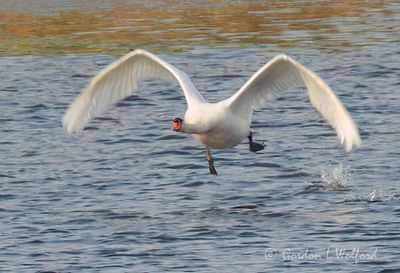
(216, 125)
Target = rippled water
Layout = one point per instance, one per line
(130, 195)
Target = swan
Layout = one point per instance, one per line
(218, 125)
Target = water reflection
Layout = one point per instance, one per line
(116, 26)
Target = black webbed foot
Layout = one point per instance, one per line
(255, 146)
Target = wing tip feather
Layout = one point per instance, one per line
(351, 140)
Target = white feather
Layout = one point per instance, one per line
(118, 81)
(282, 74)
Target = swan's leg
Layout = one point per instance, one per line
(210, 162)
(255, 146)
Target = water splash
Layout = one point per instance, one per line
(339, 178)
(376, 195)
(335, 178)
(372, 196)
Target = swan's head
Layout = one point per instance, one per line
(177, 124)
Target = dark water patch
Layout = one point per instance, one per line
(49, 178)
(343, 230)
(281, 124)
(114, 252)
(187, 166)
(79, 221)
(173, 98)
(377, 238)
(213, 210)
(33, 108)
(51, 271)
(248, 206)
(165, 238)
(391, 270)
(90, 128)
(55, 231)
(12, 89)
(359, 85)
(288, 174)
(103, 169)
(34, 242)
(194, 184)
(276, 214)
(30, 153)
(313, 187)
(81, 76)
(6, 175)
(137, 102)
(21, 181)
(6, 120)
(138, 98)
(122, 141)
(179, 151)
(314, 136)
(7, 196)
(38, 118)
(37, 255)
(233, 197)
(227, 76)
(312, 124)
(265, 165)
(248, 234)
(171, 136)
(124, 215)
(95, 160)
(9, 130)
(124, 104)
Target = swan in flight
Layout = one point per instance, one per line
(218, 125)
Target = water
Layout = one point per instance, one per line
(130, 195)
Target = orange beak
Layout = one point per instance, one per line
(176, 124)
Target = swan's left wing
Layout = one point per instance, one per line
(282, 74)
(118, 81)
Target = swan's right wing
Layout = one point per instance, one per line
(282, 74)
(118, 81)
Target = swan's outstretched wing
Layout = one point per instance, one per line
(118, 81)
(282, 74)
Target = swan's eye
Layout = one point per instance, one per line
(176, 124)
